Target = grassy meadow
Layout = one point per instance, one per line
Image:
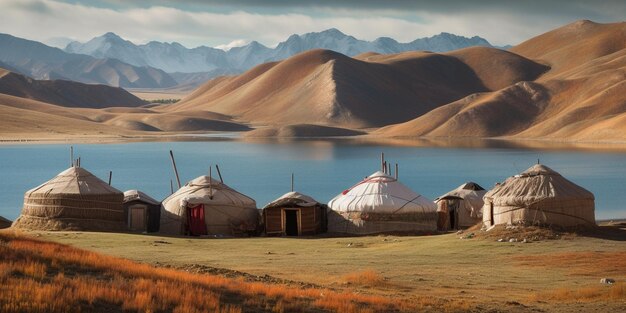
(432, 273)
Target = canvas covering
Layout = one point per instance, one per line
(136, 195)
(468, 202)
(294, 199)
(381, 204)
(227, 211)
(539, 195)
(75, 199)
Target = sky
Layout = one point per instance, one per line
(232, 23)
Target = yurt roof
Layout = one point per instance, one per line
(467, 190)
(75, 180)
(471, 186)
(206, 190)
(537, 183)
(381, 193)
(293, 198)
(4, 223)
(136, 195)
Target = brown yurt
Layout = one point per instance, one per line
(73, 200)
(539, 196)
(294, 214)
(144, 212)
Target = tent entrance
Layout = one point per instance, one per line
(291, 224)
(195, 220)
(137, 217)
(453, 210)
(491, 221)
(453, 221)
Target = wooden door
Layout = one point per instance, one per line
(137, 217)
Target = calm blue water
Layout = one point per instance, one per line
(322, 168)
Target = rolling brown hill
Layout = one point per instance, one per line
(65, 93)
(582, 97)
(574, 44)
(327, 88)
(59, 109)
(30, 119)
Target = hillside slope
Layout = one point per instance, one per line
(582, 96)
(327, 88)
(30, 119)
(65, 93)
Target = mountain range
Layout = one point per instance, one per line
(112, 60)
(173, 57)
(568, 84)
(39, 61)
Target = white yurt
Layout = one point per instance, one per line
(381, 204)
(205, 206)
(461, 207)
(539, 196)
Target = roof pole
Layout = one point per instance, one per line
(219, 173)
(396, 171)
(292, 182)
(171, 187)
(175, 169)
(210, 180)
(382, 161)
(72, 156)
(110, 177)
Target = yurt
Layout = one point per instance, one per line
(539, 196)
(381, 204)
(205, 206)
(461, 207)
(73, 200)
(294, 214)
(143, 212)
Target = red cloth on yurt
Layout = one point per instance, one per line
(197, 226)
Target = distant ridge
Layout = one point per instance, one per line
(173, 57)
(39, 61)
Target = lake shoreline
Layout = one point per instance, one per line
(448, 142)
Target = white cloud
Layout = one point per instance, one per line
(233, 44)
(44, 19)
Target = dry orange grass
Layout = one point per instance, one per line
(579, 263)
(368, 277)
(37, 276)
(611, 292)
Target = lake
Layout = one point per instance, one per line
(322, 168)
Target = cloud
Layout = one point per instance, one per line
(233, 44)
(211, 24)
